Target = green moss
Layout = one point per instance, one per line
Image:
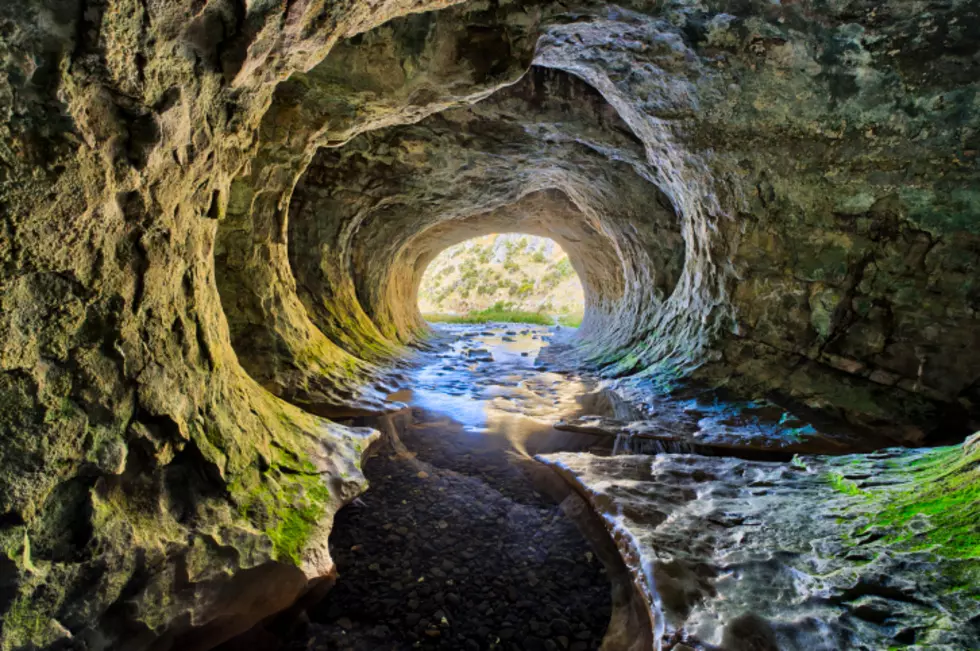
(288, 501)
(957, 209)
(843, 485)
(944, 489)
(64, 410)
(30, 619)
(127, 518)
(26, 625)
(302, 505)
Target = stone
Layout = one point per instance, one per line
(749, 632)
(215, 215)
(560, 627)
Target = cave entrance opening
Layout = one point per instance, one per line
(502, 277)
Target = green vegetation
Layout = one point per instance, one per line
(523, 290)
(533, 275)
(946, 491)
(498, 312)
(505, 312)
(843, 485)
(560, 272)
(290, 534)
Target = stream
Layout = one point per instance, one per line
(471, 533)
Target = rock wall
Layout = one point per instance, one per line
(149, 484)
(853, 137)
(215, 217)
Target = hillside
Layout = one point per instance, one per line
(506, 271)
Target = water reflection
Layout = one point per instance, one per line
(488, 378)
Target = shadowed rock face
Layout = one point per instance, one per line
(215, 218)
(545, 156)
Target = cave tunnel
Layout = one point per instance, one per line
(216, 219)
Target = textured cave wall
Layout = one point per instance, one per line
(823, 161)
(545, 156)
(830, 154)
(319, 354)
(790, 192)
(852, 142)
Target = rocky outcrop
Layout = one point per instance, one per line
(850, 552)
(215, 216)
(149, 484)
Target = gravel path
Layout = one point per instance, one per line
(452, 547)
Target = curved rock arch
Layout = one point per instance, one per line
(820, 162)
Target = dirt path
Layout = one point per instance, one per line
(454, 548)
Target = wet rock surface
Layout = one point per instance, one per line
(458, 544)
(709, 422)
(821, 554)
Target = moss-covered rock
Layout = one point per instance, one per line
(213, 212)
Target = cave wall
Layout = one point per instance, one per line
(149, 485)
(382, 206)
(775, 197)
(853, 139)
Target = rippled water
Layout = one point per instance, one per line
(490, 379)
(737, 543)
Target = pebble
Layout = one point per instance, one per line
(470, 555)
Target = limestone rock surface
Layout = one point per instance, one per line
(214, 216)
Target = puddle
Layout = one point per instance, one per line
(488, 378)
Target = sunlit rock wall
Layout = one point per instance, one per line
(782, 197)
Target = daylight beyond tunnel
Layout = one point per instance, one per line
(503, 277)
(366, 219)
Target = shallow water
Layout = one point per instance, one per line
(736, 543)
(490, 379)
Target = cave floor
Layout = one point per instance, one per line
(463, 540)
(458, 543)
